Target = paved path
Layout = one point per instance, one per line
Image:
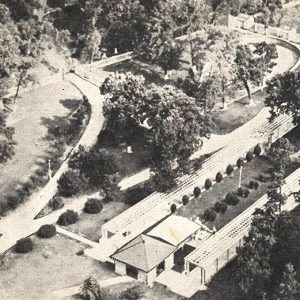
(20, 223)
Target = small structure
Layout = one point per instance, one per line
(241, 21)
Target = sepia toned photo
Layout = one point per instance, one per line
(150, 149)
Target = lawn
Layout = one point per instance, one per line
(89, 225)
(34, 113)
(33, 276)
(251, 171)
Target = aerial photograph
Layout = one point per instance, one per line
(150, 149)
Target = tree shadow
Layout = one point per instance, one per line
(70, 104)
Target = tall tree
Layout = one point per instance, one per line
(283, 95)
(91, 290)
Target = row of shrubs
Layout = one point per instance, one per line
(230, 198)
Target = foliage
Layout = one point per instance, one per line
(110, 188)
(91, 46)
(133, 293)
(91, 290)
(240, 162)
(67, 218)
(173, 208)
(70, 183)
(280, 154)
(24, 245)
(210, 215)
(249, 156)
(208, 184)
(219, 177)
(277, 198)
(93, 206)
(232, 199)
(257, 150)
(56, 203)
(46, 231)
(283, 95)
(243, 192)
(185, 200)
(136, 194)
(220, 207)
(253, 184)
(197, 191)
(229, 170)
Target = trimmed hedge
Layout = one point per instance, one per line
(210, 215)
(220, 207)
(93, 206)
(257, 150)
(232, 199)
(249, 156)
(197, 191)
(219, 177)
(67, 218)
(24, 245)
(240, 162)
(229, 170)
(46, 231)
(208, 184)
(185, 200)
(173, 208)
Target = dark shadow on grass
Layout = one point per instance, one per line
(70, 104)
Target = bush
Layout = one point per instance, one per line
(133, 293)
(257, 150)
(208, 184)
(249, 156)
(136, 194)
(56, 203)
(67, 218)
(253, 185)
(93, 206)
(219, 177)
(240, 162)
(185, 200)
(197, 191)
(70, 184)
(210, 215)
(231, 199)
(47, 231)
(24, 245)
(229, 170)
(264, 177)
(220, 207)
(243, 192)
(173, 208)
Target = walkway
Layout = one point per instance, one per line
(20, 223)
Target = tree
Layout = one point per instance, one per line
(280, 154)
(91, 290)
(288, 288)
(91, 47)
(277, 198)
(247, 68)
(71, 183)
(253, 258)
(283, 95)
(267, 55)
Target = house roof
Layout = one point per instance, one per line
(144, 252)
(174, 229)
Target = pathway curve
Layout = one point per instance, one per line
(20, 223)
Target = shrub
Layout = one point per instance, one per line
(229, 170)
(264, 177)
(56, 203)
(185, 200)
(70, 184)
(256, 185)
(220, 207)
(67, 218)
(210, 215)
(197, 191)
(93, 206)
(243, 192)
(249, 156)
(231, 199)
(133, 293)
(24, 245)
(136, 194)
(46, 231)
(257, 150)
(240, 162)
(208, 184)
(219, 177)
(173, 208)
